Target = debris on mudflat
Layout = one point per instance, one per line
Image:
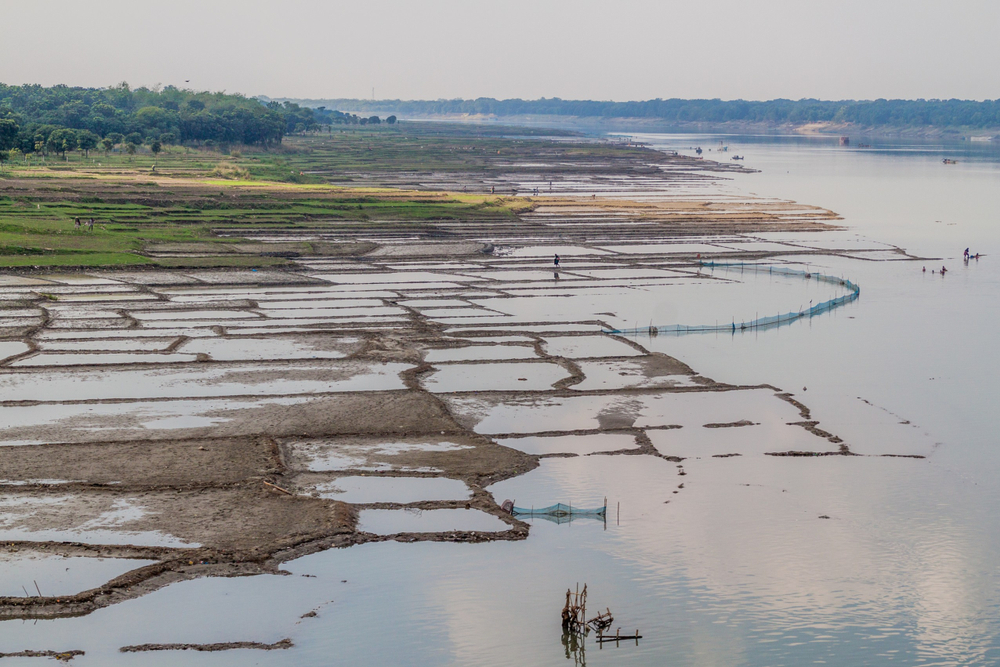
(618, 636)
(574, 612)
(602, 621)
(574, 623)
(62, 656)
(222, 646)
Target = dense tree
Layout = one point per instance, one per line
(895, 113)
(9, 130)
(61, 140)
(87, 140)
(169, 115)
(391, 120)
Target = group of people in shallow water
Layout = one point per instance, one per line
(966, 256)
(89, 224)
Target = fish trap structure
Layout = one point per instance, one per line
(853, 292)
(558, 513)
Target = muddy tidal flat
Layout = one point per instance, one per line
(179, 437)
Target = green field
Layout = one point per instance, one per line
(154, 209)
(200, 202)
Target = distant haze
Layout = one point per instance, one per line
(574, 49)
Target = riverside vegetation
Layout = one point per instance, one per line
(194, 206)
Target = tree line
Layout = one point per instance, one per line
(881, 112)
(57, 119)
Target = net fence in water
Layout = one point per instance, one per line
(853, 292)
(559, 510)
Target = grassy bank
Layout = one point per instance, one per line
(197, 207)
(189, 207)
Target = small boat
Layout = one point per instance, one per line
(737, 157)
(949, 161)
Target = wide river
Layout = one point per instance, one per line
(915, 577)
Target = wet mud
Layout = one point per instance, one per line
(200, 419)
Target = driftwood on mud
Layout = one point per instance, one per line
(63, 656)
(223, 646)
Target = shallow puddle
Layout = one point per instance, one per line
(58, 575)
(77, 279)
(480, 353)
(447, 314)
(74, 519)
(582, 444)
(362, 454)
(9, 349)
(390, 522)
(549, 413)
(532, 328)
(639, 373)
(111, 296)
(663, 248)
(403, 490)
(491, 340)
(124, 345)
(99, 359)
(210, 381)
(182, 315)
(752, 439)
(259, 349)
(634, 274)
(567, 251)
(134, 420)
(314, 313)
(119, 334)
(433, 303)
(582, 347)
(514, 276)
(321, 300)
(498, 376)
(398, 277)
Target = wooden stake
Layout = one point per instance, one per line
(275, 486)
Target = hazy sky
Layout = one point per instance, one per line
(574, 49)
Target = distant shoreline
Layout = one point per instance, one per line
(593, 124)
(946, 119)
